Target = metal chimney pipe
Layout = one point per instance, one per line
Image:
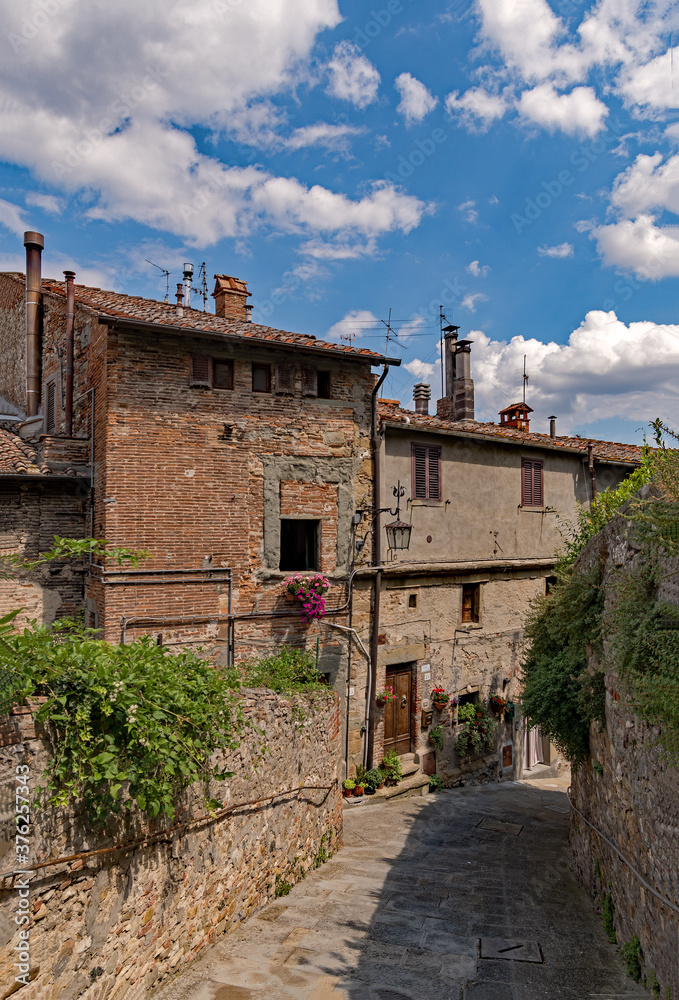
(35, 244)
(592, 470)
(68, 374)
(422, 395)
(552, 427)
(180, 299)
(188, 278)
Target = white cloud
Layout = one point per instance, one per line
(648, 184)
(639, 245)
(353, 78)
(468, 209)
(478, 270)
(125, 140)
(355, 324)
(47, 202)
(470, 300)
(653, 84)
(416, 101)
(477, 109)
(422, 370)
(601, 372)
(12, 218)
(579, 112)
(322, 134)
(339, 249)
(560, 250)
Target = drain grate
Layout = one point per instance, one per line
(384, 993)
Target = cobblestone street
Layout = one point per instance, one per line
(462, 895)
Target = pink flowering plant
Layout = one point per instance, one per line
(386, 695)
(309, 591)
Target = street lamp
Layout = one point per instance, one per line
(398, 532)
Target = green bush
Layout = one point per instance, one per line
(285, 671)
(607, 911)
(478, 735)
(633, 956)
(128, 723)
(436, 737)
(374, 778)
(392, 767)
(435, 783)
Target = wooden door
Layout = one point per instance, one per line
(397, 713)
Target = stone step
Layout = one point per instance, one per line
(408, 764)
(414, 784)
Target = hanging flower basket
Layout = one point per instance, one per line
(309, 591)
(498, 704)
(384, 696)
(440, 699)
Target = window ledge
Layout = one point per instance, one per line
(470, 626)
(537, 510)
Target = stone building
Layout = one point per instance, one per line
(483, 502)
(232, 453)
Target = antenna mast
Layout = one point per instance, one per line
(167, 278)
(525, 378)
(202, 274)
(386, 346)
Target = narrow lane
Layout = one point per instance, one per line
(462, 895)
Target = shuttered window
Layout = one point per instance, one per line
(309, 381)
(285, 379)
(532, 493)
(51, 406)
(222, 374)
(426, 484)
(261, 378)
(201, 370)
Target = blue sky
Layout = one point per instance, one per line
(513, 160)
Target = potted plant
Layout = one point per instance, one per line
(435, 783)
(348, 788)
(478, 735)
(436, 737)
(359, 789)
(309, 592)
(374, 779)
(392, 767)
(498, 704)
(440, 698)
(384, 696)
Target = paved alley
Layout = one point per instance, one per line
(462, 895)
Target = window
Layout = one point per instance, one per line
(324, 385)
(471, 602)
(550, 583)
(222, 374)
(299, 544)
(51, 406)
(412, 600)
(531, 483)
(285, 378)
(426, 483)
(211, 373)
(261, 378)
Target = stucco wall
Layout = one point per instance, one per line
(112, 925)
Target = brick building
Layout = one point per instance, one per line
(232, 453)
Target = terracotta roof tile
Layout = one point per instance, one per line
(17, 457)
(133, 307)
(603, 450)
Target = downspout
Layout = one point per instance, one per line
(377, 563)
(70, 317)
(592, 470)
(34, 243)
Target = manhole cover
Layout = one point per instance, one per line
(511, 950)
(383, 993)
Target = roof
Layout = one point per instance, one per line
(517, 406)
(607, 451)
(18, 458)
(134, 309)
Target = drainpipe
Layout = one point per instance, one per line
(592, 470)
(70, 316)
(35, 244)
(377, 562)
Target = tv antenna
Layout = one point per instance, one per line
(167, 278)
(202, 277)
(525, 378)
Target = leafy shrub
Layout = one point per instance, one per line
(285, 671)
(608, 909)
(128, 723)
(283, 888)
(374, 778)
(392, 767)
(436, 737)
(435, 783)
(478, 735)
(633, 956)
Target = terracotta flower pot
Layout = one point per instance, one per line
(380, 702)
(347, 792)
(440, 706)
(359, 790)
(290, 598)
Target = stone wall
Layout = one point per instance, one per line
(631, 796)
(109, 926)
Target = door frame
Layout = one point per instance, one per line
(410, 668)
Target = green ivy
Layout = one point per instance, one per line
(633, 956)
(608, 909)
(478, 735)
(285, 671)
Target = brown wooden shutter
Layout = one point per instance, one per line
(201, 370)
(309, 381)
(419, 483)
(532, 494)
(51, 406)
(434, 474)
(285, 378)
(538, 495)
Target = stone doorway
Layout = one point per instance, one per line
(397, 713)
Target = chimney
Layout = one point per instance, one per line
(552, 427)
(180, 299)
(516, 417)
(231, 295)
(458, 403)
(422, 395)
(34, 243)
(68, 374)
(188, 278)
